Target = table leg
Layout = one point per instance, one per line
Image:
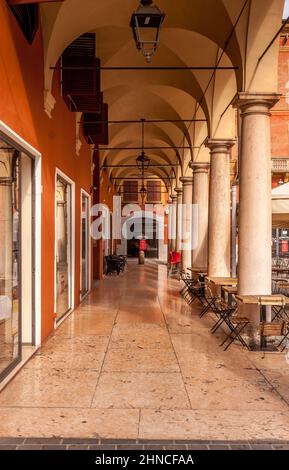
(263, 340)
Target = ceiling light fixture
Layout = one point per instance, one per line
(143, 161)
(146, 23)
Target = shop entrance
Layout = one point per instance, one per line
(16, 255)
(143, 228)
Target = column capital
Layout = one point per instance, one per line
(220, 145)
(187, 181)
(179, 190)
(173, 198)
(199, 167)
(255, 103)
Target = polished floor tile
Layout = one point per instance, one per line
(140, 360)
(141, 390)
(79, 344)
(88, 324)
(69, 422)
(50, 388)
(68, 360)
(134, 361)
(140, 336)
(130, 315)
(213, 425)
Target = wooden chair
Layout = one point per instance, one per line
(276, 329)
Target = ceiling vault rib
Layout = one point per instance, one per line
(226, 44)
(135, 166)
(142, 69)
(104, 149)
(149, 121)
(284, 23)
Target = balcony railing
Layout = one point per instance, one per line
(280, 165)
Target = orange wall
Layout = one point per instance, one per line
(21, 108)
(280, 113)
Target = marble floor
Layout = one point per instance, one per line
(135, 362)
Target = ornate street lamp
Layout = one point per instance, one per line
(143, 161)
(143, 192)
(146, 23)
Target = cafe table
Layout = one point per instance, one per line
(229, 292)
(222, 281)
(263, 301)
(218, 283)
(199, 272)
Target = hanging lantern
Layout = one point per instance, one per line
(143, 192)
(143, 162)
(146, 23)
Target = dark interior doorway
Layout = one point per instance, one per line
(144, 228)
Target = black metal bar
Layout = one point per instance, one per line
(149, 121)
(135, 166)
(146, 148)
(134, 192)
(274, 39)
(133, 178)
(134, 68)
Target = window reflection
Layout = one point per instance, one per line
(9, 256)
(63, 247)
(84, 244)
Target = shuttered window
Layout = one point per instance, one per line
(153, 191)
(130, 191)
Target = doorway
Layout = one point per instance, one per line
(143, 228)
(17, 255)
(64, 243)
(85, 245)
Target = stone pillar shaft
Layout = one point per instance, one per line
(201, 203)
(187, 222)
(255, 211)
(179, 192)
(220, 209)
(172, 224)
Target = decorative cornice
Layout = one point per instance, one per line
(78, 145)
(199, 167)
(219, 145)
(187, 180)
(49, 103)
(179, 190)
(255, 103)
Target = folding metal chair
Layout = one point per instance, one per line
(237, 326)
(223, 311)
(208, 300)
(188, 282)
(285, 333)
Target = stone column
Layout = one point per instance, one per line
(220, 208)
(255, 211)
(173, 223)
(179, 192)
(201, 204)
(234, 231)
(187, 222)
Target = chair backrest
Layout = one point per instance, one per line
(267, 301)
(208, 293)
(272, 329)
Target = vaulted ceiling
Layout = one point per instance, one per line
(196, 33)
